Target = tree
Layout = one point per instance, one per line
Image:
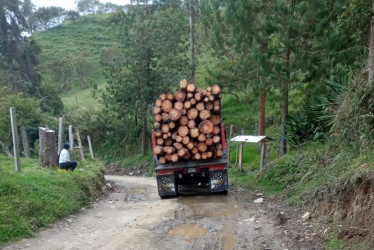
(18, 54)
(152, 62)
(87, 6)
(28, 114)
(47, 17)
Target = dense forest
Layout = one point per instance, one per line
(300, 71)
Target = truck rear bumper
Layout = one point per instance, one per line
(214, 176)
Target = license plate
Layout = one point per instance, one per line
(192, 170)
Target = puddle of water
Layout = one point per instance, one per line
(229, 241)
(188, 231)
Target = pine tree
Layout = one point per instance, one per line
(152, 45)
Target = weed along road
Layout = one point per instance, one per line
(132, 216)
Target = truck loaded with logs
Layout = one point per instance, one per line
(188, 138)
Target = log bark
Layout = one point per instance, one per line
(47, 148)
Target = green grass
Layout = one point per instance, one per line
(36, 197)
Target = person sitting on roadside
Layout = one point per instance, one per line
(64, 160)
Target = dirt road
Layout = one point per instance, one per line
(134, 217)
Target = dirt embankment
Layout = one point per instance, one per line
(352, 206)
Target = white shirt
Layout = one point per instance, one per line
(64, 156)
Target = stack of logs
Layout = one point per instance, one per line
(187, 124)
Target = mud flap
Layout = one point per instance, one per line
(218, 181)
(166, 185)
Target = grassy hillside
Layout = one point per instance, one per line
(86, 38)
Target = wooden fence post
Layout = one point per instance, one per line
(90, 146)
(59, 140)
(79, 143)
(13, 122)
(241, 155)
(71, 138)
(25, 143)
(262, 162)
(47, 148)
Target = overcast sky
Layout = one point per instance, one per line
(70, 4)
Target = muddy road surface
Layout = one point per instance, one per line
(132, 216)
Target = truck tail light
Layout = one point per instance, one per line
(217, 167)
